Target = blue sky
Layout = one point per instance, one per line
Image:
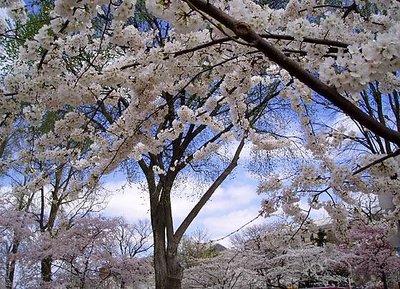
(234, 204)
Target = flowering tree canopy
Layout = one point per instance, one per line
(371, 255)
(163, 86)
(264, 260)
(94, 252)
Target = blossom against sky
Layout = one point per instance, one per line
(233, 205)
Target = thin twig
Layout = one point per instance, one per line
(237, 230)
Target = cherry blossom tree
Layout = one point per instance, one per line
(371, 255)
(271, 256)
(94, 252)
(99, 253)
(196, 246)
(228, 270)
(40, 180)
(16, 231)
(48, 189)
(165, 97)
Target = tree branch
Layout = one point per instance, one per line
(266, 36)
(245, 32)
(380, 160)
(207, 195)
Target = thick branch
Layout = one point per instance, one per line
(245, 32)
(207, 195)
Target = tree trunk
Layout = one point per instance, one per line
(46, 269)
(10, 266)
(160, 264)
(174, 270)
(384, 281)
(168, 271)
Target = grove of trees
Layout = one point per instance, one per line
(172, 91)
(268, 256)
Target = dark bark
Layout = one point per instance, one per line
(246, 33)
(45, 267)
(10, 266)
(47, 227)
(384, 281)
(174, 270)
(168, 270)
(160, 264)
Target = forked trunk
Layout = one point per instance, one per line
(168, 271)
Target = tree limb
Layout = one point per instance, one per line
(207, 195)
(245, 32)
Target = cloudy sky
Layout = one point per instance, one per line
(234, 204)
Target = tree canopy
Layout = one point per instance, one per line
(174, 89)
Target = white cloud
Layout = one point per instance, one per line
(233, 205)
(3, 13)
(231, 197)
(130, 202)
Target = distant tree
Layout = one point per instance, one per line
(228, 270)
(17, 231)
(272, 259)
(195, 246)
(253, 236)
(372, 257)
(94, 252)
(100, 253)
